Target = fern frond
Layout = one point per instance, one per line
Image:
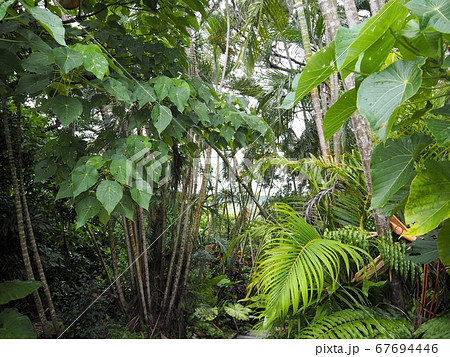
(356, 324)
(439, 327)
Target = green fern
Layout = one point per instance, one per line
(356, 324)
(393, 255)
(439, 327)
(350, 235)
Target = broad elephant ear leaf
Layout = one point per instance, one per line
(432, 13)
(383, 92)
(392, 165)
(339, 113)
(17, 289)
(429, 201)
(319, 67)
(370, 32)
(443, 243)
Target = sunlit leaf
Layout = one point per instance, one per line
(383, 92)
(429, 201)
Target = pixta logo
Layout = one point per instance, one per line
(147, 170)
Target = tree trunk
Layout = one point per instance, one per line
(314, 93)
(112, 246)
(364, 140)
(20, 223)
(34, 248)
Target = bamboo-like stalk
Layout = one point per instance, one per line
(144, 257)
(183, 244)
(20, 221)
(32, 239)
(115, 268)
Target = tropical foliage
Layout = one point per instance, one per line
(201, 169)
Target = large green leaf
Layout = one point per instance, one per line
(162, 86)
(429, 201)
(83, 178)
(44, 169)
(38, 62)
(339, 113)
(125, 206)
(440, 128)
(201, 110)
(443, 243)
(67, 59)
(65, 190)
(432, 13)
(161, 117)
(238, 311)
(142, 198)
(121, 170)
(179, 96)
(94, 60)
(67, 109)
(383, 92)
(87, 208)
(4, 6)
(17, 289)
(392, 164)
(319, 67)
(144, 94)
(422, 251)
(344, 38)
(118, 89)
(109, 193)
(375, 56)
(294, 263)
(371, 31)
(49, 21)
(15, 325)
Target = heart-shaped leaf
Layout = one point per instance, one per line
(432, 13)
(67, 59)
(383, 92)
(86, 209)
(67, 109)
(392, 165)
(161, 117)
(109, 193)
(429, 201)
(83, 178)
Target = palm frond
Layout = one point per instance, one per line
(295, 262)
(361, 323)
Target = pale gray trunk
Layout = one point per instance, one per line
(314, 93)
(363, 135)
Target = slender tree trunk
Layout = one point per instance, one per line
(330, 14)
(314, 93)
(34, 248)
(99, 253)
(364, 140)
(176, 240)
(183, 243)
(144, 256)
(112, 246)
(20, 221)
(129, 255)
